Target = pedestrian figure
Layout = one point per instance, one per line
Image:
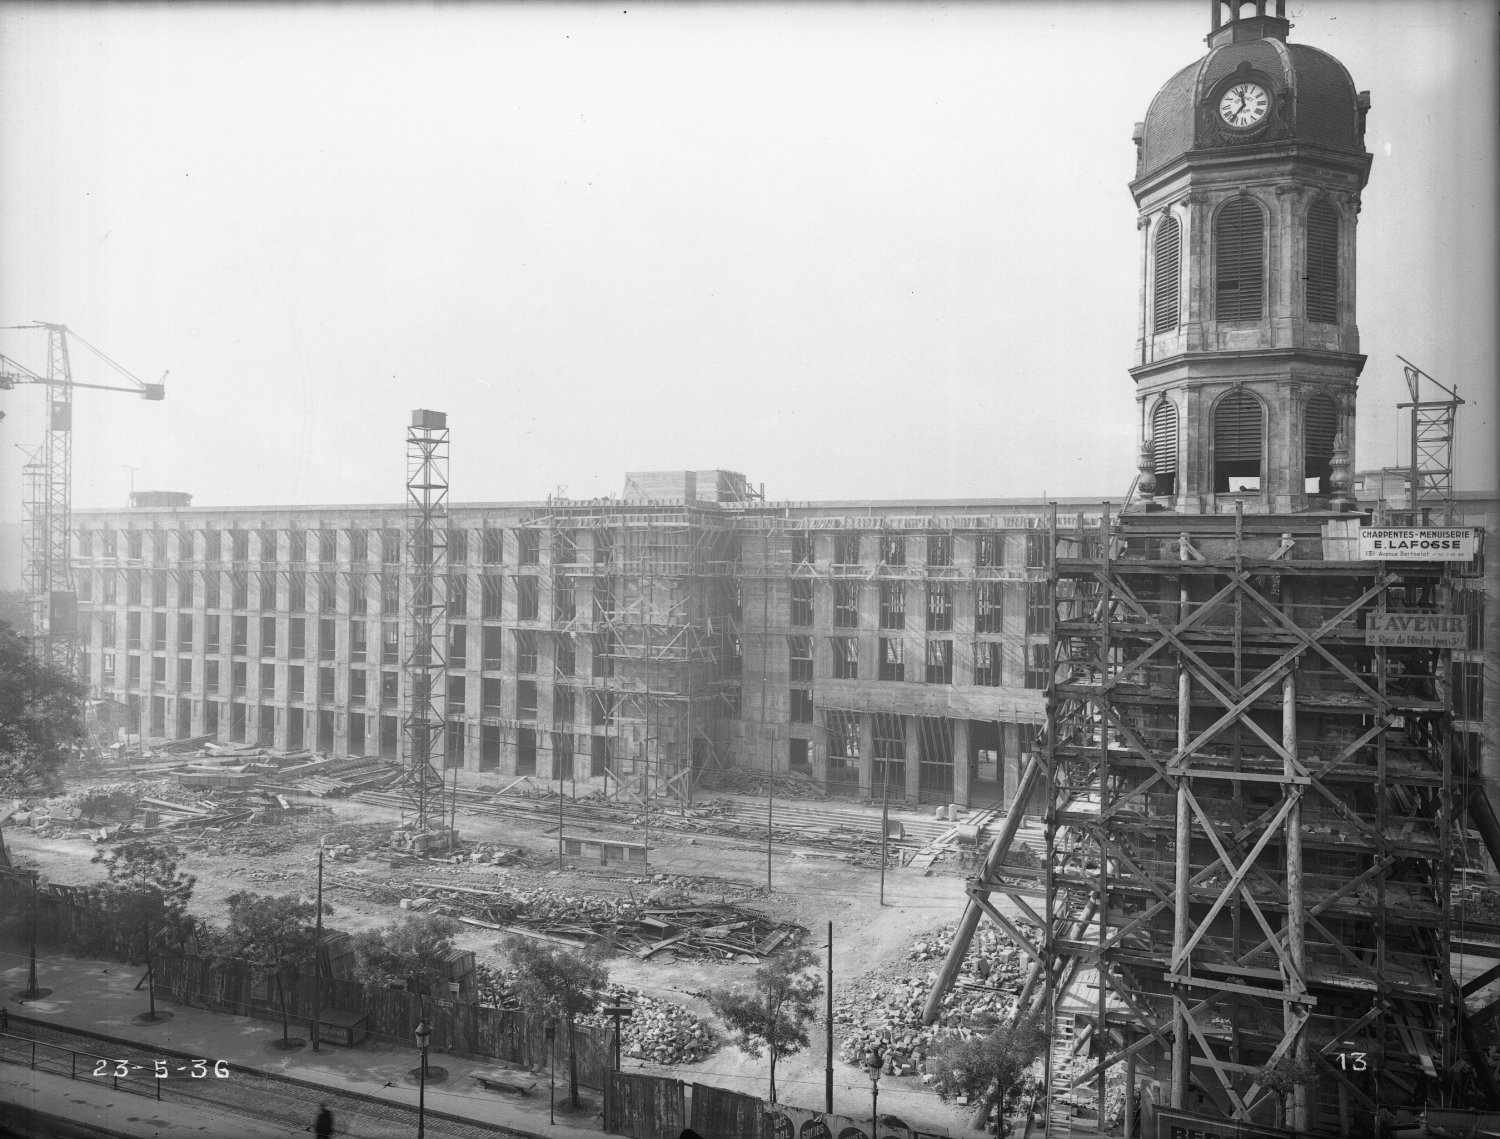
(324, 1127)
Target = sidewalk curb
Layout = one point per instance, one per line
(463, 1120)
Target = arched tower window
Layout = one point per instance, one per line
(1237, 443)
(1322, 262)
(1168, 275)
(1239, 261)
(1164, 447)
(1320, 424)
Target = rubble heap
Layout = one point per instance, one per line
(885, 1005)
(660, 1031)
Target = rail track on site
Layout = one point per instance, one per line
(243, 1091)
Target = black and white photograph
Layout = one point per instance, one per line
(749, 570)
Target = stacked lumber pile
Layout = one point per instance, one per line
(782, 784)
(327, 778)
(711, 931)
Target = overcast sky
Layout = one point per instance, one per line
(853, 251)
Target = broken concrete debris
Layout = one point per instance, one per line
(660, 1032)
(885, 1006)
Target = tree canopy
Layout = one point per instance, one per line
(145, 891)
(411, 951)
(560, 985)
(773, 1016)
(991, 1069)
(272, 934)
(41, 717)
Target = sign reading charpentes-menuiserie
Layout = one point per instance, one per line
(1416, 544)
(1416, 630)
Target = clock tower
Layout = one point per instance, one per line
(1249, 168)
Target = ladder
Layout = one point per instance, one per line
(1059, 1103)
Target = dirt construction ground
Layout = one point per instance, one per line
(811, 887)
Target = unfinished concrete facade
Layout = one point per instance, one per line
(883, 649)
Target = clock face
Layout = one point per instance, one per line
(1244, 105)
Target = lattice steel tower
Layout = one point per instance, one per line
(426, 657)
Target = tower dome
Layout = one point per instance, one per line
(1312, 100)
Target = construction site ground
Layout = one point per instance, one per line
(813, 882)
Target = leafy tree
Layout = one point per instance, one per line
(41, 716)
(562, 984)
(15, 610)
(992, 1070)
(272, 934)
(1284, 1077)
(146, 892)
(774, 1015)
(411, 952)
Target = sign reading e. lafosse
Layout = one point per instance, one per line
(1415, 543)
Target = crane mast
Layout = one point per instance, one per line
(48, 485)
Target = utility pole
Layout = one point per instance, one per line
(770, 799)
(318, 956)
(828, 1068)
(559, 817)
(885, 822)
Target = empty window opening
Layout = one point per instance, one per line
(893, 549)
(800, 651)
(940, 549)
(529, 547)
(799, 756)
(892, 659)
(528, 605)
(846, 604)
(841, 733)
(845, 652)
(989, 607)
(526, 652)
(939, 606)
(802, 602)
(1237, 443)
(988, 670)
(492, 547)
(989, 551)
(526, 700)
(1320, 425)
(802, 548)
(888, 769)
(846, 549)
(934, 760)
(491, 596)
(801, 706)
(526, 751)
(893, 605)
(939, 662)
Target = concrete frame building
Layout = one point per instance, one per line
(892, 648)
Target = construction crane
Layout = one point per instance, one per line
(48, 479)
(1434, 427)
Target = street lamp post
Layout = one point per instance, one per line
(424, 1037)
(551, 1074)
(874, 1061)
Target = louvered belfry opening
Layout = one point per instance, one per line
(1322, 263)
(1168, 276)
(1320, 425)
(1237, 442)
(1164, 447)
(1239, 261)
